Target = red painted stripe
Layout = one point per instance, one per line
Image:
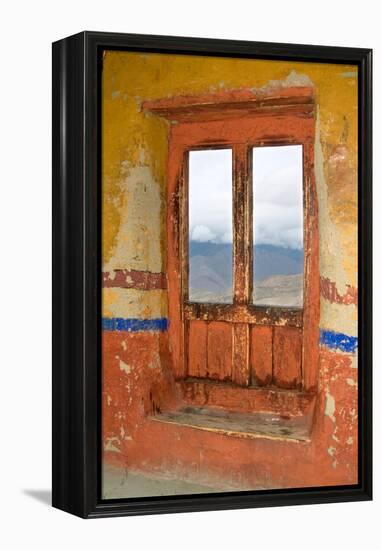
(146, 280)
(139, 280)
(329, 291)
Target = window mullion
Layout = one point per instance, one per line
(242, 225)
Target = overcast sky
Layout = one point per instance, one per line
(278, 200)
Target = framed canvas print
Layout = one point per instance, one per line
(212, 274)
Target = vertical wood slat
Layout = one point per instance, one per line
(241, 344)
(241, 261)
(219, 350)
(261, 356)
(197, 349)
(241, 225)
(287, 357)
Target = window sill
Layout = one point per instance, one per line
(238, 424)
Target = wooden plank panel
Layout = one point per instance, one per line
(219, 351)
(241, 370)
(197, 349)
(228, 396)
(261, 356)
(287, 361)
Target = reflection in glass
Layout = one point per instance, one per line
(278, 225)
(210, 226)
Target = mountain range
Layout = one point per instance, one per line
(211, 263)
(277, 273)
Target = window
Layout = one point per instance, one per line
(210, 226)
(243, 274)
(277, 176)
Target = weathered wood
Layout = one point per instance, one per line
(225, 105)
(287, 357)
(241, 346)
(183, 192)
(238, 424)
(261, 356)
(251, 130)
(184, 227)
(232, 313)
(213, 393)
(241, 225)
(241, 261)
(311, 309)
(219, 351)
(241, 120)
(197, 349)
(176, 328)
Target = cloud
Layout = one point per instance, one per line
(278, 196)
(278, 199)
(210, 195)
(202, 233)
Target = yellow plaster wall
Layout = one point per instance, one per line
(137, 303)
(135, 155)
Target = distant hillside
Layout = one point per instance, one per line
(211, 265)
(280, 290)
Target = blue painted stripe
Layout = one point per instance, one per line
(135, 325)
(328, 338)
(337, 340)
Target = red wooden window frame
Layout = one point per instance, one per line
(241, 120)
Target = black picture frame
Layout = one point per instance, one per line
(77, 274)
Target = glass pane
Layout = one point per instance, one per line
(278, 225)
(210, 226)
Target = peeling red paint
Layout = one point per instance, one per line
(138, 382)
(139, 280)
(329, 291)
(139, 369)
